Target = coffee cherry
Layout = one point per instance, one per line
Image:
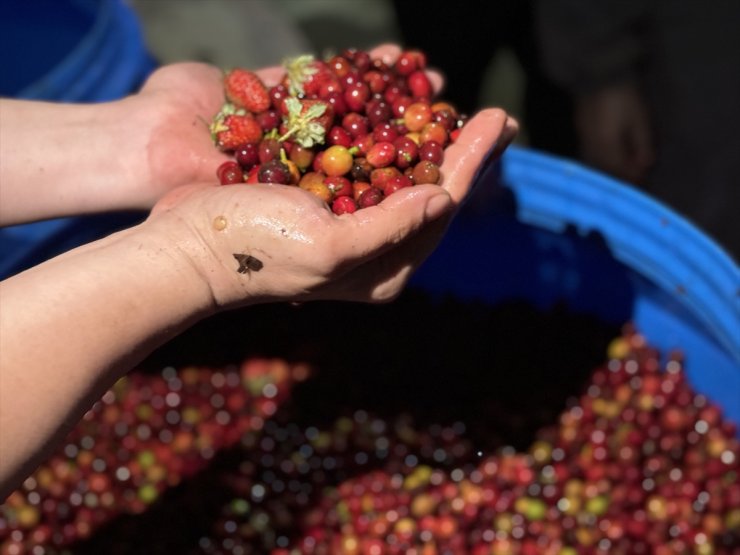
(396, 183)
(370, 197)
(274, 171)
(426, 172)
(339, 136)
(384, 132)
(302, 157)
(355, 124)
(339, 186)
(343, 205)
(407, 152)
(419, 85)
(229, 173)
(336, 160)
(417, 115)
(381, 155)
(268, 149)
(247, 155)
(268, 120)
(356, 95)
(433, 131)
(431, 151)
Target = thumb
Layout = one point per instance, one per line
(377, 229)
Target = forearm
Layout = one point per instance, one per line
(64, 159)
(71, 327)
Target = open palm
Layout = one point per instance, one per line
(175, 108)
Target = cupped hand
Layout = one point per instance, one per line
(264, 242)
(173, 111)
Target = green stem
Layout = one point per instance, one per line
(289, 132)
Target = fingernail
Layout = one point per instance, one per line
(437, 206)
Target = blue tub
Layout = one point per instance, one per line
(547, 230)
(90, 51)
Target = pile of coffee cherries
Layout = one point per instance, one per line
(204, 460)
(350, 129)
(146, 435)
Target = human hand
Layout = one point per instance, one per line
(300, 250)
(613, 125)
(173, 111)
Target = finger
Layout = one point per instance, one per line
(386, 52)
(271, 76)
(475, 147)
(383, 277)
(377, 229)
(181, 75)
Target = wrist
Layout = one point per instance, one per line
(164, 268)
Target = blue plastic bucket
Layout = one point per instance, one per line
(79, 51)
(547, 230)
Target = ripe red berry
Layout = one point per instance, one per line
(339, 65)
(355, 124)
(247, 155)
(380, 176)
(268, 120)
(376, 81)
(269, 149)
(419, 85)
(381, 155)
(274, 171)
(358, 188)
(339, 136)
(337, 102)
(396, 183)
(232, 130)
(407, 152)
(385, 132)
(370, 197)
(338, 185)
(245, 89)
(363, 144)
(229, 173)
(344, 205)
(278, 94)
(410, 61)
(400, 104)
(377, 112)
(431, 151)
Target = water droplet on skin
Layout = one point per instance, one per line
(220, 223)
